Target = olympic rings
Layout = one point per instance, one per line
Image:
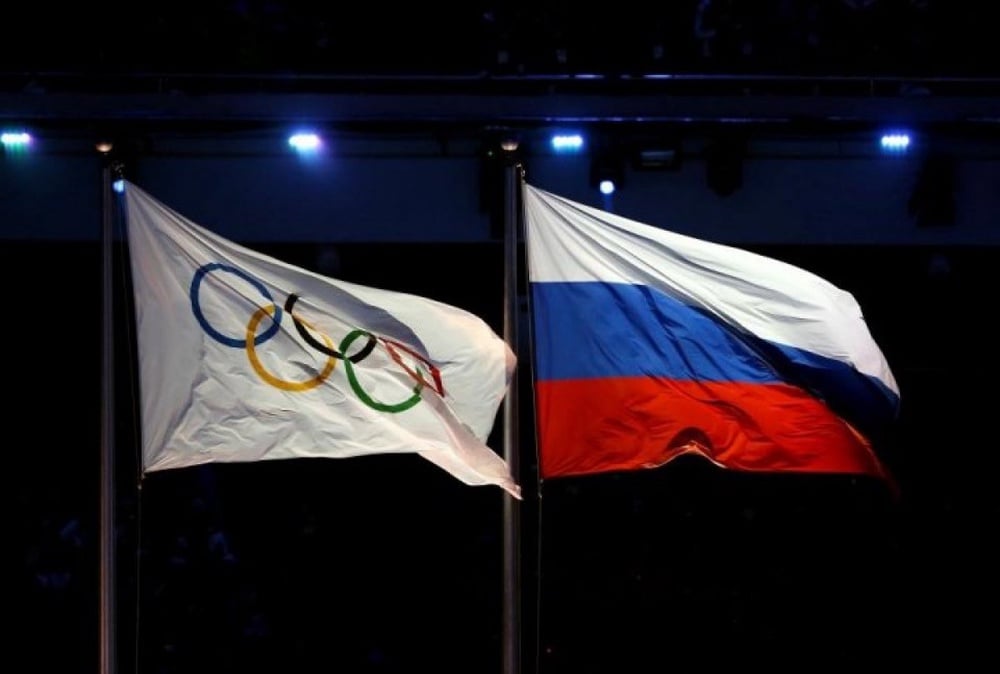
(311, 341)
(258, 367)
(200, 275)
(362, 394)
(423, 373)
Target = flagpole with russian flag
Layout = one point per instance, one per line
(511, 659)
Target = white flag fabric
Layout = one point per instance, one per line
(244, 358)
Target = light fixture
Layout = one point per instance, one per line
(895, 143)
(607, 172)
(656, 154)
(15, 139)
(304, 141)
(567, 142)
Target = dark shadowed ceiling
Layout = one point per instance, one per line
(800, 37)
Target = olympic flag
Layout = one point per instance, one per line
(649, 345)
(244, 358)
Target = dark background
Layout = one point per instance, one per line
(815, 37)
(387, 564)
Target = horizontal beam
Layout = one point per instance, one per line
(478, 99)
(537, 109)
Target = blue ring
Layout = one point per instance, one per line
(212, 332)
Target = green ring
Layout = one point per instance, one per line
(360, 392)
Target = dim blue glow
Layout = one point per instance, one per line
(15, 138)
(607, 187)
(305, 142)
(118, 186)
(567, 142)
(895, 142)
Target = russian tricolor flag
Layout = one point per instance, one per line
(650, 344)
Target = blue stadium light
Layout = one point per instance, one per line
(567, 142)
(305, 142)
(895, 142)
(118, 186)
(15, 139)
(607, 187)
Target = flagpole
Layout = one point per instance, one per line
(511, 514)
(107, 511)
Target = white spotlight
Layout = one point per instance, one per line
(895, 142)
(305, 142)
(15, 139)
(567, 142)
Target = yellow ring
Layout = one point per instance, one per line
(331, 362)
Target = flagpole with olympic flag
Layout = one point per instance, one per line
(107, 646)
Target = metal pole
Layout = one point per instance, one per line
(511, 512)
(107, 516)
